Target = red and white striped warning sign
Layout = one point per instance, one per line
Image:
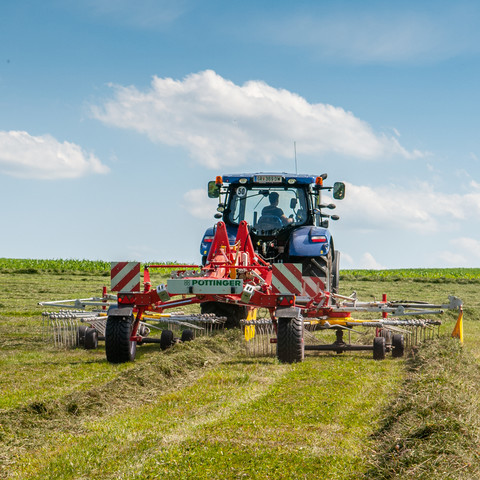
(287, 278)
(125, 276)
(312, 286)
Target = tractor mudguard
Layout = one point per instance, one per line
(288, 312)
(115, 312)
(206, 242)
(307, 241)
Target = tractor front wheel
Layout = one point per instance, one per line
(290, 346)
(118, 346)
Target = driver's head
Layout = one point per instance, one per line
(273, 198)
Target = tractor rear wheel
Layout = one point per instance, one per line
(335, 272)
(379, 348)
(320, 267)
(290, 346)
(118, 346)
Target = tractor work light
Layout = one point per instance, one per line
(243, 181)
(292, 181)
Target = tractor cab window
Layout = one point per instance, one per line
(268, 208)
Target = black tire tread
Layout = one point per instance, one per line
(290, 347)
(118, 347)
(379, 348)
(398, 345)
(166, 339)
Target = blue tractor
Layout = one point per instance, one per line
(288, 222)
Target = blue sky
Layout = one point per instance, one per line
(114, 114)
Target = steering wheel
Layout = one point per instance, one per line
(269, 222)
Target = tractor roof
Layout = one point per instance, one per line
(269, 178)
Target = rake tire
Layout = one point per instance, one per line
(290, 346)
(187, 335)
(81, 331)
(166, 339)
(398, 345)
(90, 341)
(379, 348)
(118, 346)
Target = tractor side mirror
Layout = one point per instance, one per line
(338, 190)
(213, 189)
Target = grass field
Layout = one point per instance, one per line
(204, 410)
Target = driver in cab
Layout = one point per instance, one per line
(275, 210)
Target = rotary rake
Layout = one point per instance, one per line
(236, 283)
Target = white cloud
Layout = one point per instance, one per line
(223, 124)
(463, 252)
(198, 204)
(368, 262)
(470, 247)
(43, 157)
(419, 209)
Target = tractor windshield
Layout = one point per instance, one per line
(267, 208)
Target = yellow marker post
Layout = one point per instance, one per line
(250, 329)
(458, 330)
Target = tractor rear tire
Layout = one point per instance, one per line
(335, 273)
(290, 346)
(320, 267)
(118, 346)
(187, 335)
(398, 346)
(91, 339)
(379, 348)
(166, 339)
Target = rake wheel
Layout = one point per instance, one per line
(91, 339)
(398, 345)
(187, 335)
(118, 346)
(290, 346)
(379, 348)
(166, 339)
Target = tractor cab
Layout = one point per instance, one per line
(283, 211)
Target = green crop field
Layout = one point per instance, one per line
(205, 410)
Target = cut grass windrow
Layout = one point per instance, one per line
(432, 430)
